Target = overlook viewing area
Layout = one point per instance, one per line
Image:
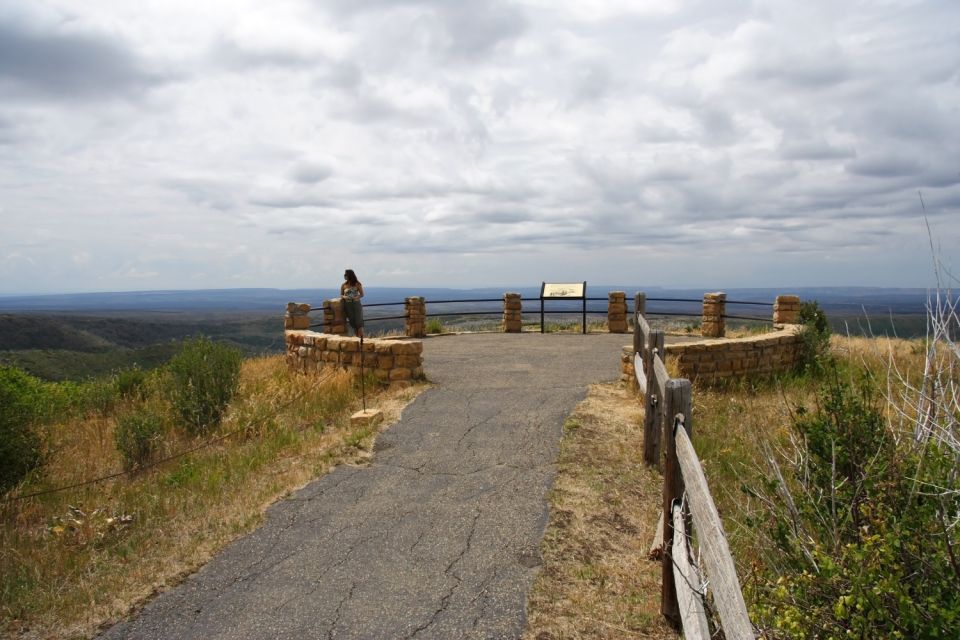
(439, 536)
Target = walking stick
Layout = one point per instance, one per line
(363, 390)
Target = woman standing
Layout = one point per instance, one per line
(350, 292)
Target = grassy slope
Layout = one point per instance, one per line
(73, 560)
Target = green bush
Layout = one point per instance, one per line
(20, 398)
(137, 436)
(203, 379)
(130, 383)
(815, 336)
(434, 325)
(861, 544)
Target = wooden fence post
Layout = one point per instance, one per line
(639, 306)
(679, 400)
(653, 407)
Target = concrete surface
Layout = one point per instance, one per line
(438, 538)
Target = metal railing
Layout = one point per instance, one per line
(570, 311)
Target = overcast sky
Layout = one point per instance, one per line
(163, 144)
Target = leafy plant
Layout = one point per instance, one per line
(130, 382)
(20, 396)
(859, 547)
(815, 337)
(137, 436)
(203, 379)
(434, 325)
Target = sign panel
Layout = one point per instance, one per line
(563, 290)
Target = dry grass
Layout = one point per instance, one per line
(734, 427)
(75, 560)
(596, 581)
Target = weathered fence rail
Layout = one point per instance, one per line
(668, 425)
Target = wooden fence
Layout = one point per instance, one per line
(668, 426)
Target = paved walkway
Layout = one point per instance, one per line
(438, 538)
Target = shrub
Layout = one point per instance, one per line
(137, 436)
(203, 379)
(99, 396)
(860, 546)
(434, 325)
(20, 396)
(815, 336)
(130, 383)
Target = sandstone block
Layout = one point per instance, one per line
(400, 373)
(407, 348)
(366, 418)
(408, 361)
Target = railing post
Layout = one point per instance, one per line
(617, 312)
(512, 313)
(786, 310)
(653, 406)
(415, 309)
(334, 319)
(297, 316)
(714, 308)
(678, 401)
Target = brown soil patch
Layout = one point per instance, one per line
(596, 580)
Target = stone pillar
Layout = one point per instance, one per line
(297, 316)
(334, 319)
(617, 312)
(416, 312)
(512, 313)
(714, 308)
(786, 310)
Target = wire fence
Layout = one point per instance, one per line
(180, 454)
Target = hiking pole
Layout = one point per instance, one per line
(363, 390)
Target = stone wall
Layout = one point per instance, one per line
(617, 312)
(713, 360)
(393, 361)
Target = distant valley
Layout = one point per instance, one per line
(74, 336)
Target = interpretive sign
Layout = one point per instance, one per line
(573, 290)
(563, 291)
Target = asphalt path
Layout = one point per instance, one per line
(437, 538)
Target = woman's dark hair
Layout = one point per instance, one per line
(350, 276)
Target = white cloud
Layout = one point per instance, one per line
(435, 143)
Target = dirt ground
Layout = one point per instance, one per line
(597, 580)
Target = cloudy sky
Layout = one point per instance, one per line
(707, 143)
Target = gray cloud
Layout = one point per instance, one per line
(64, 64)
(813, 150)
(310, 172)
(884, 167)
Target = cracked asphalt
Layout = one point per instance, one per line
(437, 538)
